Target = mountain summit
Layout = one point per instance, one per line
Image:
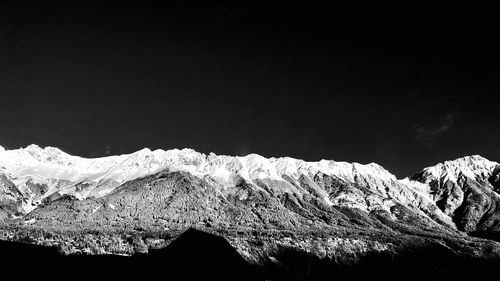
(466, 189)
(39, 173)
(340, 211)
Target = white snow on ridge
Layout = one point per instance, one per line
(84, 177)
(96, 177)
(473, 167)
(51, 162)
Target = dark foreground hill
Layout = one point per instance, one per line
(196, 255)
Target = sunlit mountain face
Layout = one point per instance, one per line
(263, 207)
(285, 141)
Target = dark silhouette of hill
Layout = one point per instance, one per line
(197, 255)
(434, 262)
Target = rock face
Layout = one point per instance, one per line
(44, 174)
(332, 212)
(466, 189)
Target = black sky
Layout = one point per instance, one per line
(405, 87)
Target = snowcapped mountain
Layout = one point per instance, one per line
(40, 173)
(48, 172)
(34, 175)
(466, 189)
(336, 211)
(472, 167)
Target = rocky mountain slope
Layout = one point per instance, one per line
(467, 190)
(336, 212)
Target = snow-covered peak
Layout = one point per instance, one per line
(53, 163)
(55, 171)
(474, 167)
(17, 158)
(48, 154)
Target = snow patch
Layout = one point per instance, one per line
(30, 221)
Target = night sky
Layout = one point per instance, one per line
(405, 87)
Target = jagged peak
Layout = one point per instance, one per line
(33, 151)
(472, 166)
(33, 161)
(186, 156)
(472, 161)
(34, 148)
(252, 164)
(467, 165)
(145, 161)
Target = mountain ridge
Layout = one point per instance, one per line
(327, 211)
(41, 173)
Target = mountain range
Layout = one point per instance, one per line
(265, 208)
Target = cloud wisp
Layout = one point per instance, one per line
(426, 133)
